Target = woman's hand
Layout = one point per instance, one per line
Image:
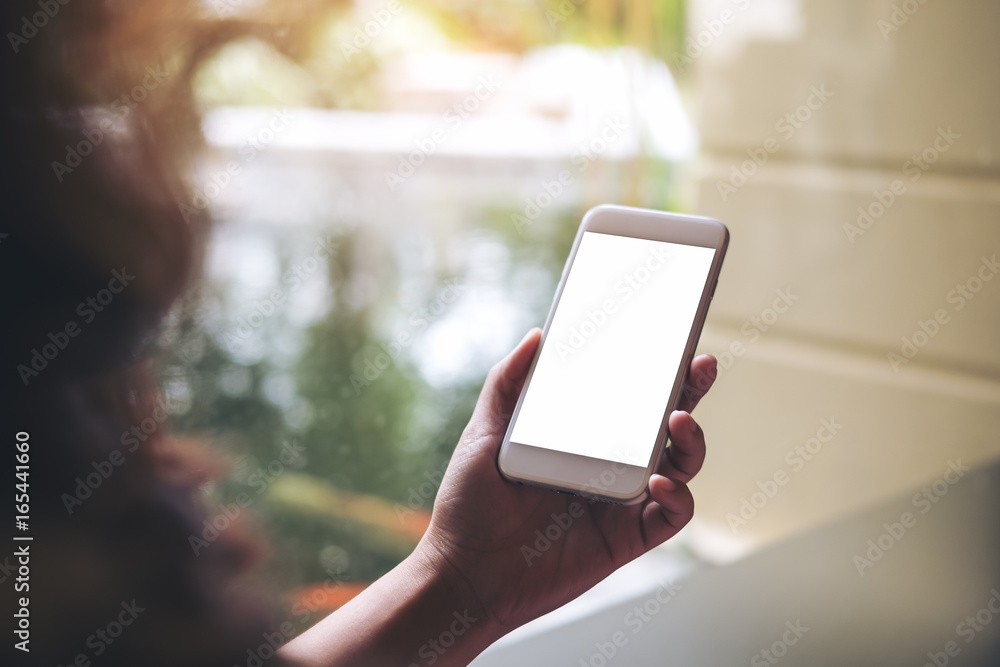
(487, 530)
(480, 570)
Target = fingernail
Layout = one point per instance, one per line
(692, 424)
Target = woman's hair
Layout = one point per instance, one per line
(96, 128)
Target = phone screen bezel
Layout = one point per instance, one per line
(573, 473)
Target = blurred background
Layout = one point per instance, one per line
(388, 221)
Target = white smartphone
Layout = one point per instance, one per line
(592, 416)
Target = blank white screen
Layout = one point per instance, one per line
(617, 339)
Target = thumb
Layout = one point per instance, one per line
(503, 384)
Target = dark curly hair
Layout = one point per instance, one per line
(97, 124)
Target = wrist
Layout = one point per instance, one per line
(421, 613)
(469, 614)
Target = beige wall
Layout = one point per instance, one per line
(893, 96)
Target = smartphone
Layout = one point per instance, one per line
(591, 419)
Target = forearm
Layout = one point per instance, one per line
(420, 613)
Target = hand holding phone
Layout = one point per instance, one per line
(513, 553)
(510, 553)
(592, 418)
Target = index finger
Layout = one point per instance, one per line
(701, 375)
